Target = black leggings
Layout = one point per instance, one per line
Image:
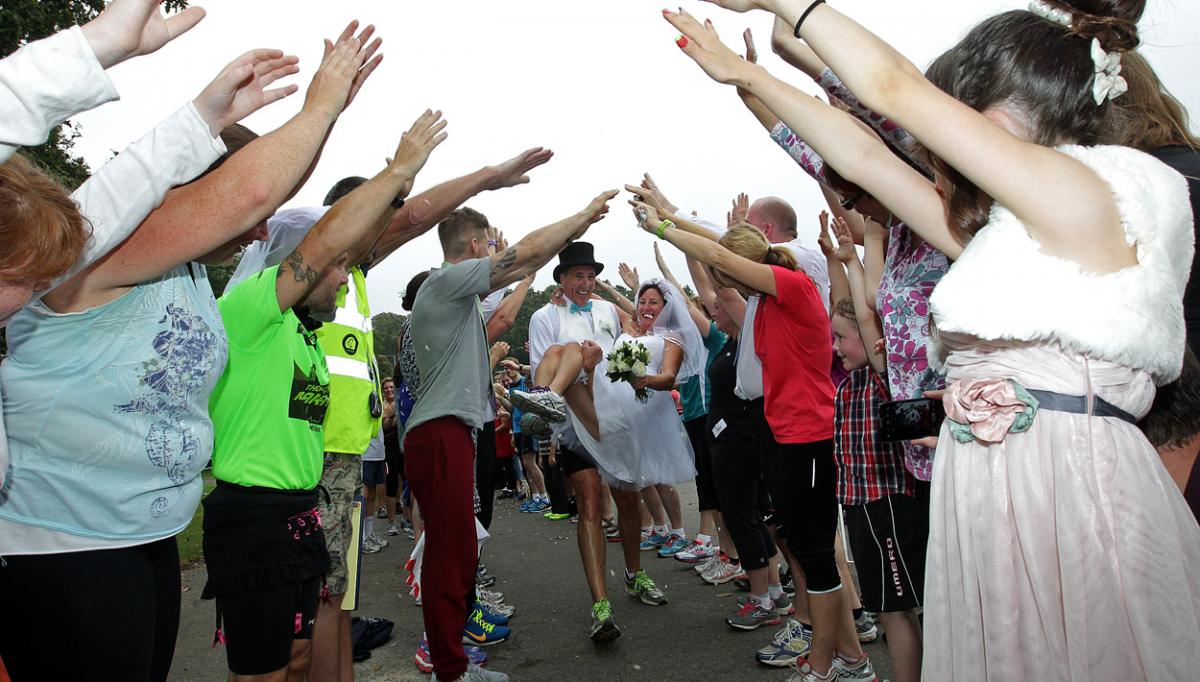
(802, 479)
(395, 473)
(706, 488)
(485, 472)
(111, 612)
(737, 472)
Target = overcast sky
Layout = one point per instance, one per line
(600, 83)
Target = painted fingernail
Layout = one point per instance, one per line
(666, 12)
(681, 41)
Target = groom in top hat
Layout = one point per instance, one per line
(595, 325)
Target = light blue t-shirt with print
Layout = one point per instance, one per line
(694, 393)
(107, 410)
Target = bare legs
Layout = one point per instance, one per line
(590, 535)
(559, 371)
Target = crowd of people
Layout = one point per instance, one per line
(1008, 240)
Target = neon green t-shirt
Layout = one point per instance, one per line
(268, 409)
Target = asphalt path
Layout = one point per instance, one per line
(537, 566)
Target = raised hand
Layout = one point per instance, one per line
(595, 212)
(239, 90)
(845, 251)
(629, 276)
(646, 215)
(513, 172)
(129, 28)
(417, 144)
(370, 60)
(823, 239)
(499, 350)
(557, 298)
(751, 57)
(737, 214)
(701, 43)
(654, 196)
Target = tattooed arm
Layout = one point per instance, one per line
(538, 247)
(358, 217)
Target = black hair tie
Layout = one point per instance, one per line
(796, 31)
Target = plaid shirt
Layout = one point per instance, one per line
(868, 469)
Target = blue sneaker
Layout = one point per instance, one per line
(528, 507)
(674, 545)
(653, 541)
(479, 632)
(475, 655)
(490, 615)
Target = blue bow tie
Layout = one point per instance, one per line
(585, 308)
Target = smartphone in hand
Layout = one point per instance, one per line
(910, 419)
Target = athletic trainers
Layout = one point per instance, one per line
(752, 616)
(534, 425)
(379, 541)
(556, 517)
(783, 605)
(424, 660)
(723, 571)
(382, 513)
(792, 642)
(707, 565)
(477, 674)
(490, 615)
(370, 545)
(674, 545)
(642, 587)
(604, 628)
(653, 541)
(489, 596)
(855, 671)
(865, 626)
(479, 632)
(541, 401)
(393, 529)
(696, 552)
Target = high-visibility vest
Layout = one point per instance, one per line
(353, 375)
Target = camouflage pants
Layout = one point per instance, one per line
(342, 480)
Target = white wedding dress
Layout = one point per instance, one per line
(641, 443)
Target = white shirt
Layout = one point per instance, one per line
(544, 329)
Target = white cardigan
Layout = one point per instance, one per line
(1004, 287)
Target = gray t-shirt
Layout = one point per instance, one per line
(450, 342)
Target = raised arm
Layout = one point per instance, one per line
(509, 308)
(617, 297)
(870, 328)
(875, 246)
(857, 154)
(757, 276)
(539, 246)
(839, 286)
(352, 219)
(982, 151)
(420, 213)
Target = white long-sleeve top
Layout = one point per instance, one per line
(46, 82)
(119, 196)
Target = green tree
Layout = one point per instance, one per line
(23, 21)
(385, 327)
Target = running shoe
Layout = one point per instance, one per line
(604, 628)
(855, 671)
(722, 572)
(674, 545)
(696, 552)
(642, 587)
(393, 529)
(865, 626)
(479, 632)
(534, 425)
(477, 674)
(424, 660)
(783, 605)
(791, 643)
(557, 517)
(540, 401)
(653, 541)
(379, 541)
(489, 596)
(706, 565)
(488, 614)
(752, 616)
(382, 513)
(370, 546)
(485, 581)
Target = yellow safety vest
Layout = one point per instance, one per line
(353, 375)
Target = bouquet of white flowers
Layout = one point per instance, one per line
(627, 362)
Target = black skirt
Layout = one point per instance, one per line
(261, 536)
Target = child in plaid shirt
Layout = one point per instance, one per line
(886, 509)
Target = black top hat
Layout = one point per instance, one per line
(576, 253)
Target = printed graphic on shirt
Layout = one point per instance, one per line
(309, 400)
(350, 344)
(188, 355)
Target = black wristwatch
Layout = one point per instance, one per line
(398, 203)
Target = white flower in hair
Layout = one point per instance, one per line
(1043, 9)
(1108, 82)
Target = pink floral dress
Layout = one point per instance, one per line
(912, 269)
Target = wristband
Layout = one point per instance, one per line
(397, 203)
(662, 227)
(796, 31)
(493, 242)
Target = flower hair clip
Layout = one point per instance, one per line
(1046, 11)
(1108, 84)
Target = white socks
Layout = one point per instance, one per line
(678, 531)
(776, 591)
